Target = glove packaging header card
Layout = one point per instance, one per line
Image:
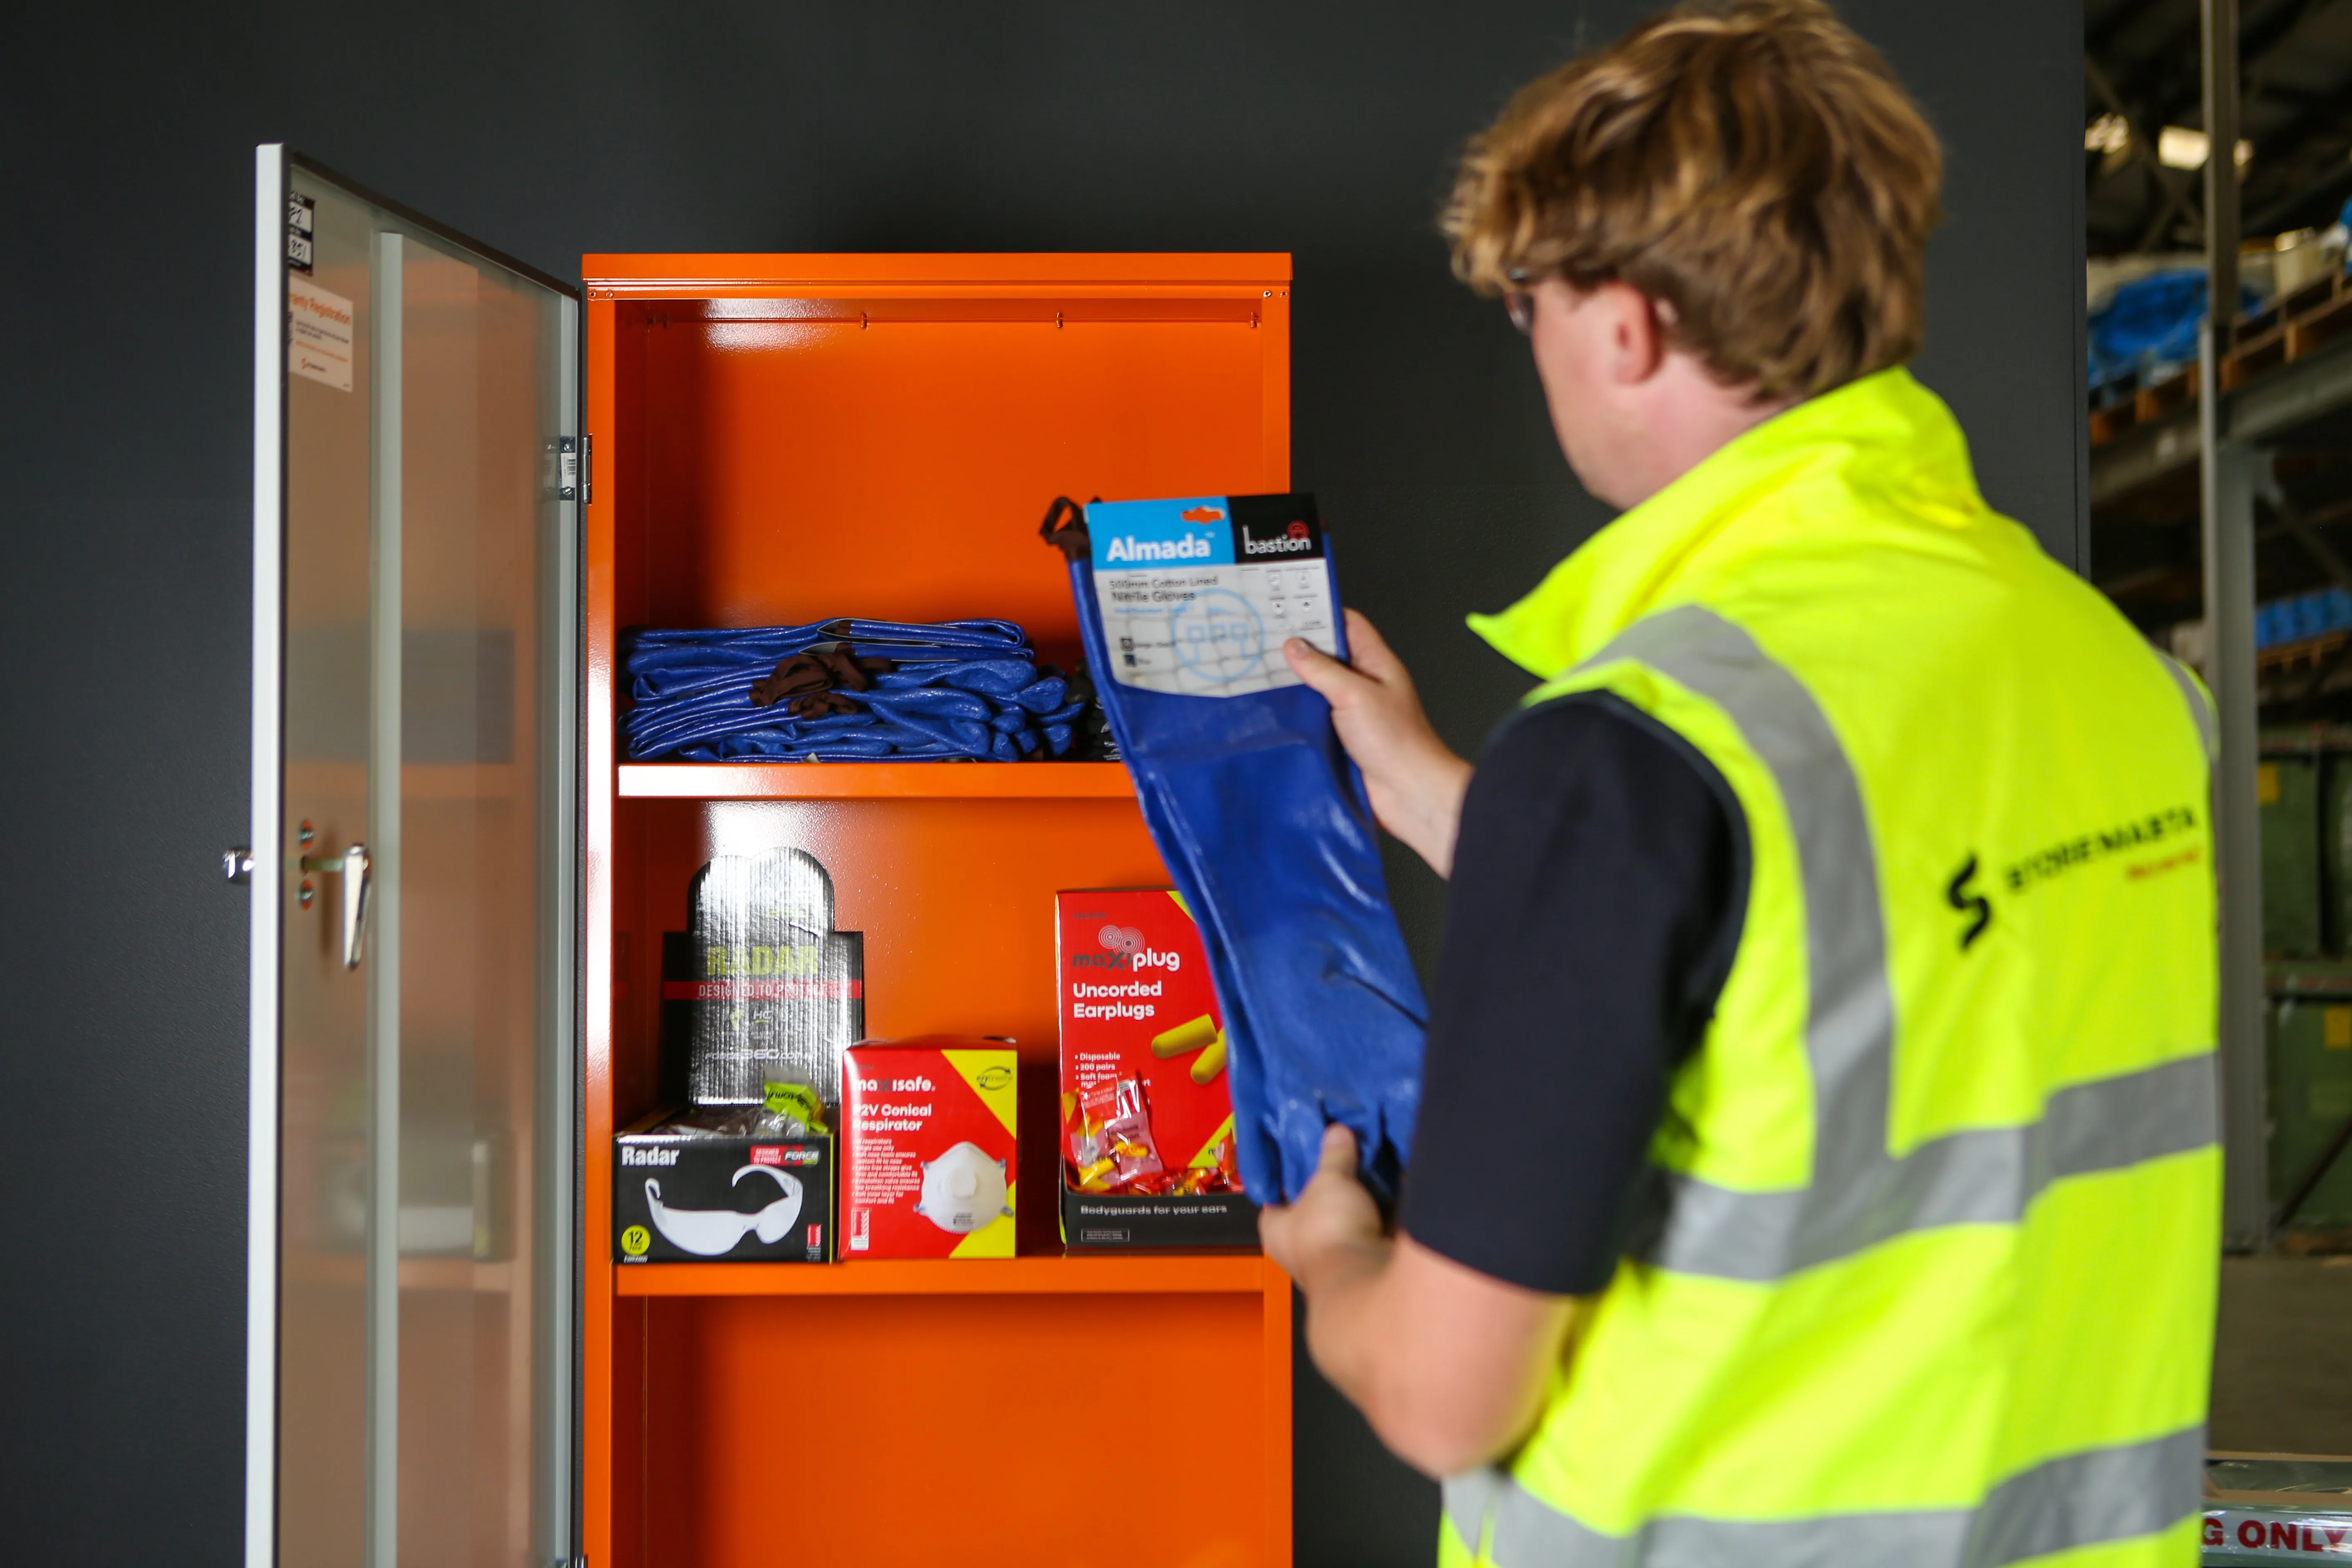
(1198, 595)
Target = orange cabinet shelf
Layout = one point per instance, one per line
(1243, 1274)
(875, 781)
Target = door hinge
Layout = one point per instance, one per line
(570, 472)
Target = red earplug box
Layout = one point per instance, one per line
(1147, 1119)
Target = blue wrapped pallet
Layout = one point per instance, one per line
(2321, 613)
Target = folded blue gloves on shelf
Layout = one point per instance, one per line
(848, 690)
(1258, 813)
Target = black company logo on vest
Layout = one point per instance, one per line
(2163, 836)
(1969, 903)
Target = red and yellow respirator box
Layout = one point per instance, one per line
(931, 1146)
(1147, 1130)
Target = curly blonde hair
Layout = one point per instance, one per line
(1755, 166)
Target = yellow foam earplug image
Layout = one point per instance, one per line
(1211, 1062)
(1186, 1036)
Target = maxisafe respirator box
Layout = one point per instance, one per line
(1147, 1133)
(930, 1149)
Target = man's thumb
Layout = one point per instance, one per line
(1339, 1151)
(1318, 670)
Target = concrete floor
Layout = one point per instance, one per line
(2282, 1358)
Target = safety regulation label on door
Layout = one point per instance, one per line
(1198, 595)
(318, 333)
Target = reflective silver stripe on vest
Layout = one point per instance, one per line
(1859, 1194)
(2199, 708)
(1469, 1497)
(2078, 1499)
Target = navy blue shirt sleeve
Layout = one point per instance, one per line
(1599, 882)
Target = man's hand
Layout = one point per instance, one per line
(1415, 783)
(1450, 1367)
(1334, 1229)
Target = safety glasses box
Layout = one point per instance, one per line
(931, 1140)
(683, 1193)
(1147, 1130)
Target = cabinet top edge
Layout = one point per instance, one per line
(684, 273)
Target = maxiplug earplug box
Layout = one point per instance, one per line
(931, 1144)
(687, 1189)
(1146, 1133)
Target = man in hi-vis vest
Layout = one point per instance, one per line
(1817, 1163)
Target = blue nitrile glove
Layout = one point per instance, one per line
(1263, 823)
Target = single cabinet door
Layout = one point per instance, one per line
(415, 663)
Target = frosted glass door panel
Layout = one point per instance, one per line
(425, 1051)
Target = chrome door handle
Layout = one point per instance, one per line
(352, 866)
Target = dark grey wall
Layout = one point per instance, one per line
(547, 129)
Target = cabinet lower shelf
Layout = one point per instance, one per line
(1161, 1275)
(875, 781)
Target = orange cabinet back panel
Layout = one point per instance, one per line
(783, 438)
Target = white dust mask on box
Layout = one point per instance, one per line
(710, 1232)
(963, 1190)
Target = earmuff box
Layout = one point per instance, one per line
(931, 1142)
(683, 1194)
(761, 989)
(1147, 1131)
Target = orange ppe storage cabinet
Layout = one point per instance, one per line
(790, 438)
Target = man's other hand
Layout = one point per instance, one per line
(1415, 783)
(1450, 1367)
(1334, 1228)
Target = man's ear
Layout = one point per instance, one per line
(1637, 339)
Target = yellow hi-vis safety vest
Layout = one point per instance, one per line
(1930, 1277)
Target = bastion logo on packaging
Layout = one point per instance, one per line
(1276, 528)
(1296, 539)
